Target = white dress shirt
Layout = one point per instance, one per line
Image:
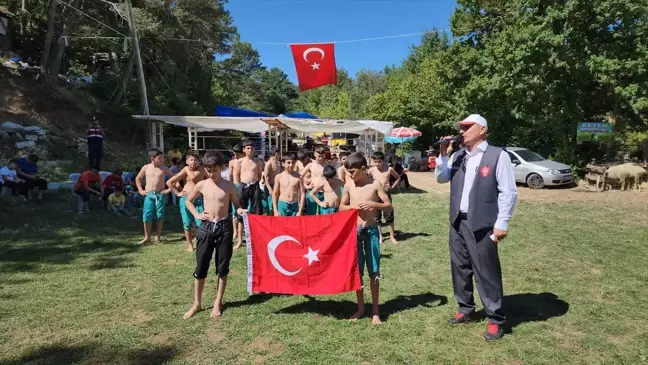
(505, 181)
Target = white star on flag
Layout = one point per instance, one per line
(311, 255)
(315, 66)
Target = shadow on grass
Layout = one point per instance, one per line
(411, 190)
(532, 307)
(63, 354)
(404, 236)
(251, 300)
(344, 309)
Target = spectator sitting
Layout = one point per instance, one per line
(111, 183)
(28, 171)
(89, 184)
(9, 178)
(117, 202)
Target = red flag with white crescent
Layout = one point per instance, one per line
(314, 255)
(315, 65)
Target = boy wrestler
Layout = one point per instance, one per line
(248, 174)
(332, 188)
(366, 195)
(193, 173)
(215, 233)
(288, 195)
(382, 172)
(154, 194)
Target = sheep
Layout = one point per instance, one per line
(623, 173)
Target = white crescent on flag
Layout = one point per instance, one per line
(313, 49)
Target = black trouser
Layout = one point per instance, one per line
(214, 239)
(95, 153)
(389, 216)
(250, 198)
(16, 187)
(39, 183)
(405, 179)
(83, 193)
(474, 252)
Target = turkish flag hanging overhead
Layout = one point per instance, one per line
(315, 64)
(314, 255)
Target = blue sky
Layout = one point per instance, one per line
(312, 21)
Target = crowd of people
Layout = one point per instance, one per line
(20, 177)
(215, 194)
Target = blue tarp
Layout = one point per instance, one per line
(301, 115)
(226, 111)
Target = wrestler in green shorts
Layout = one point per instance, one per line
(369, 250)
(153, 207)
(188, 220)
(311, 206)
(288, 209)
(329, 210)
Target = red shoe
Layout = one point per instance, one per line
(493, 332)
(461, 318)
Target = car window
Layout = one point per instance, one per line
(512, 156)
(530, 156)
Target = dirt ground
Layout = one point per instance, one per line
(426, 181)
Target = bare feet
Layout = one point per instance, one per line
(216, 312)
(189, 249)
(157, 240)
(375, 320)
(192, 312)
(359, 314)
(145, 241)
(393, 239)
(238, 245)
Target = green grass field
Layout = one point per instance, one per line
(78, 289)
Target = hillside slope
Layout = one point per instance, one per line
(25, 101)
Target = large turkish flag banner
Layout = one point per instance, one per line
(315, 64)
(314, 255)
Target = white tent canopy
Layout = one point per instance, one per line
(260, 124)
(277, 128)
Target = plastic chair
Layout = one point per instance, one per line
(74, 177)
(104, 175)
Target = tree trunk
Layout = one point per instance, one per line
(51, 18)
(58, 56)
(121, 89)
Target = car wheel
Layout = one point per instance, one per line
(535, 181)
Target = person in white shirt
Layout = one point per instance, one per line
(482, 197)
(9, 178)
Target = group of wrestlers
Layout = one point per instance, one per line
(214, 196)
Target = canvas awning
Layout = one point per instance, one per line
(260, 124)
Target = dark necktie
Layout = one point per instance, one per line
(463, 163)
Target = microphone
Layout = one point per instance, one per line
(458, 138)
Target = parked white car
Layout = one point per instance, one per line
(536, 171)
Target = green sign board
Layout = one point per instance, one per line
(594, 131)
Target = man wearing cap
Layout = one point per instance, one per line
(95, 144)
(482, 197)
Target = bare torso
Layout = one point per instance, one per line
(359, 194)
(233, 167)
(381, 177)
(193, 178)
(342, 174)
(273, 168)
(249, 170)
(333, 192)
(154, 179)
(288, 186)
(216, 197)
(317, 171)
